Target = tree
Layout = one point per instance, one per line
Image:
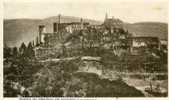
(22, 49)
(7, 51)
(15, 52)
(29, 51)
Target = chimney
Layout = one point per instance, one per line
(81, 22)
(56, 25)
(59, 18)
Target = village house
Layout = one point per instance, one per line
(142, 44)
(164, 44)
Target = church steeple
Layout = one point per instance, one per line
(106, 17)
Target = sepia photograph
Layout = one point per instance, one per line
(70, 48)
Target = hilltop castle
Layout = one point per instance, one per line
(74, 37)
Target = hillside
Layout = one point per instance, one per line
(20, 30)
(156, 29)
(17, 31)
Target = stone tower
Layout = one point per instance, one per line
(41, 31)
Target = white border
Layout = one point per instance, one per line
(1, 46)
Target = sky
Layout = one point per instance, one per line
(126, 10)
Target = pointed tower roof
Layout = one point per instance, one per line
(106, 17)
